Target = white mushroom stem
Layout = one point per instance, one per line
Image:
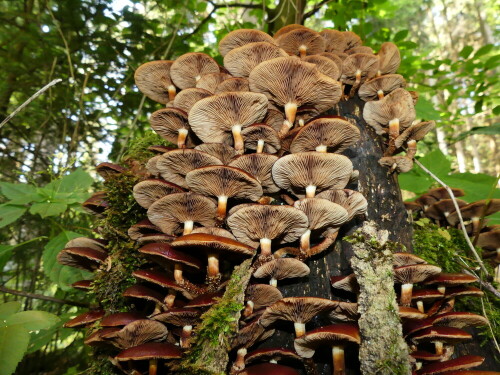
(412, 151)
(197, 78)
(406, 293)
(265, 246)
(273, 282)
(248, 309)
(301, 122)
(185, 340)
(439, 347)
(178, 273)
(380, 94)
(170, 298)
(171, 92)
(393, 134)
(305, 241)
(273, 361)
(358, 77)
(181, 138)
(238, 139)
(188, 227)
(290, 112)
(476, 222)
(303, 51)
(153, 366)
(338, 360)
(239, 363)
(260, 146)
(420, 306)
(221, 207)
(300, 329)
(213, 265)
(285, 128)
(310, 191)
(321, 148)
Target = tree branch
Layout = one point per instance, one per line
(42, 297)
(315, 9)
(235, 5)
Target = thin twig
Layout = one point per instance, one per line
(490, 327)
(42, 297)
(36, 95)
(315, 9)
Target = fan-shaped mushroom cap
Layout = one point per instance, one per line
(262, 295)
(144, 293)
(224, 182)
(97, 203)
(325, 65)
(359, 49)
(324, 134)
(216, 231)
(345, 282)
(459, 320)
(335, 58)
(353, 201)
(241, 61)
(281, 268)
(151, 165)
(415, 132)
(450, 279)
(442, 193)
(84, 258)
(260, 167)
(268, 369)
(221, 117)
(262, 138)
(291, 83)
(462, 291)
(442, 208)
(180, 211)
(154, 81)
(167, 253)
(288, 28)
(99, 245)
(178, 316)
(268, 354)
(120, 319)
(334, 40)
(85, 285)
(406, 259)
(149, 191)
(487, 240)
(443, 334)
(150, 350)
(187, 98)
(241, 37)
(301, 42)
(210, 81)
(460, 363)
(221, 151)
(84, 319)
(232, 85)
(252, 224)
(172, 125)
(352, 39)
(379, 87)
(358, 68)
(176, 164)
(475, 210)
(204, 300)
(143, 228)
(389, 57)
(187, 70)
(344, 312)
(400, 164)
(409, 275)
(107, 170)
(311, 172)
(336, 334)
(406, 312)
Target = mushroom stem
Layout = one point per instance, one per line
(239, 363)
(321, 148)
(406, 293)
(178, 273)
(290, 112)
(170, 298)
(238, 139)
(213, 265)
(412, 151)
(393, 134)
(273, 282)
(439, 347)
(442, 289)
(302, 51)
(248, 309)
(221, 207)
(181, 138)
(358, 78)
(171, 92)
(310, 191)
(153, 366)
(265, 247)
(420, 306)
(285, 128)
(188, 227)
(305, 241)
(338, 360)
(185, 340)
(300, 329)
(380, 94)
(260, 146)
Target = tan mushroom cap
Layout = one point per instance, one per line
(224, 182)
(358, 68)
(400, 164)
(262, 138)
(345, 282)
(84, 258)
(186, 99)
(441, 209)
(172, 125)
(211, 243)
(476, 210)
(241, 61)
(176, 164)
(187, 70)
(216, 231)
(221, 118)
(260, 167)
(406, 259)
(325, 65)
(378, 87)
(325, 134)
(233, 85)
(221, 151)
(334, 40)
(291, 83)
(390, 58)
(353, 201)
(344, 312)
(308, 172)
(138, 332)
(395, 107)
(210, 81)
(151, 165)
(449, 367)
(287, 29)
(149, 191)
(352, 39)
(178, 212)
(301, 42)
(460, 319)
(274, 118)
(241, 37)
(154, 81)
(335, 58)
(281, 268)
(262, 295)
(415, 132)
(359, 49)
(87, 242)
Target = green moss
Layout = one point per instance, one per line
(137, 149)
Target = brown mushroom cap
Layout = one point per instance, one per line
(107, 170)
(83, 285)
(475, 210)
(260, 167)
(210, 81)
(176, 164)
(160, 278)
(97, 203)
(282, 268)
(179, 211)
(379, 87)
(459, 319)
(345, 282)
(389, 57)
(84, 319)
(308, 171)
(330, 134)
(216, 231)
(233, 84)
(144, 293)
(426, 356)
(172, 125)
(262, 138)
(96, 244)
(150, 350)
(154, 81)
(274, 118)
(400, 164)
(406, 259)
(442, 193)
(242, 37)
(335, 58)
(212, 244)
(441, 209)
(143, 228)
(288, 28)
(120, 319)
(262, 295)
(221, 151)
(268, 369)
(325, 65)
(187, 98)
(352, 39)
(450, 279)
(167, 253)
(267, 354)
(359, 49)
(444, 334)
(204, 300)
(187, 70)
(487, 240)
(406, 312)
(178, 316)
(151, 165)
(353, 201)
(149, 191)
(415, 273)
(415, 132)
(335, 40)
(301, 42)
(358, 68)
(241, 61)
(82, 257)
(344, 312)
(460, 363)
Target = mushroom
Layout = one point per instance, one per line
(344, 312)
(120, 319)
(301, 42)
(182, 317)
(233, 84)
(353, 201)
(389, 58)
(272, 355)
(414, 133)
(172, 125)
(258, 296)
(442, 193)
(425, 295)
(345, 282)
(409, 275)
(442, 280)
(144, 293)
(268, 369)
(152, 352)
(359, 49)
(215, 231)
(260, 167)
(109, 170)
(281, 268)
(92, 243)
(336, 336)
(335, 58)
(187, 98)
(358, 68)
(138, 332)
(325, 65)
(149, 191)
(187, 70)
(154, 80)
(242, 37)
(378, 87)
(335, 40)
(441, 209)
(84, 258)
(440, 335)
(261, 138)
(351, 39)
(287, 28)
(84, 319)
(399, 164)
(221, 151)
(474, 212)
(85, 285)
(459, 320)
(460, 363)
(210, 81)
(97, 203)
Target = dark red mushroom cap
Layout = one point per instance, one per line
(169, 254)
(406, 259)
(267, 354)
(460, 363)
(143, 292)
(445, 334)
(426, 356)
(82, 285)
(212, 243)
(150, 350)
(204, 300)
(82, 257)
(178, 316)
(120, 319)
(460, 319)
(107, 170)
(463, 291)
(449, 279)
(84, 319)
(268, 369)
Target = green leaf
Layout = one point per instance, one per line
(483, 50)
(414, 182)
(436, 162)
(426, 111)
(476, 186)
(9, 308)
(466, 51)
(5, 254)
(43, 337)
(48, 209)
(10, 213)
(19, 193)
(400, 35)
(14, 342)
(32, 320)
(488, 130)
(76, 181)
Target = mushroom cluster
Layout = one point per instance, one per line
(258, 172)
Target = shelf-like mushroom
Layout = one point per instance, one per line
(172, 125)
(154, 81)
(301, 42)
(149, 191)
(187, 70)
(281, 268)
(242, 37)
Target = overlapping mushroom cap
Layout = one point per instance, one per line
(154, 81)
(187, 70)
(301, 42)
(241, 37)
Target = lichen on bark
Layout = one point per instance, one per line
(383, 349)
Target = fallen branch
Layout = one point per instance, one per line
(42, 297)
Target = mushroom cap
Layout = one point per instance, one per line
(352, 40)
(107, 170)
(120, 319)
(442, 208)
(254, 133)
(84, 258)
(96, 244)
(321, 213)
(413, 207)
(457, 319)
(169, 213)
(345, 282)
(241, 61)
(213, 244)
(262, 295)
(406, 312)
(397, 105)
(335, 58)
(83, 285)
(204, 300)
(389, 57)
(187, 98)
(289, 80)
(401, 164)
(176, 164)
(161, 279)
(169, 254)
(369, 90)
(97, 203)
(251, 333)
(221, 151)
(242, 37)
(142, 228)
(301, 38)
(325, 171)
(335, 133)
(151, 165)
(484, 207)
(415, 132)
(344, 312)
(213, 118)
(274, 118)
(149, 191)
(226, 181)
(335, 40)
(143, 292)
(446, 334)
(450, 279)
(282, 268)
(406, 259)
(296, 309)
(426, 295)
(442, 193)
(460, 363)
(488, 240)
(327, 335)
(178, 316)
(325, 65)
(366, 64)
(233, 84)
(215, 231)
(84, 319)
(415, 273)
(260, 167)
(268, 369)
(267, 354)
(353, 201)
(287, 28)
(359, 49)
(167, 122)
(426, 356)
(153, 79)
(98, 338)
(253, 222)
(150, 350)
(187, 68)
(210, 81)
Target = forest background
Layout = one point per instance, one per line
(47, 151)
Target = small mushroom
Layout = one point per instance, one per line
(154, 81)
(399, 164)
(242, 37)
(261, 138)
(149, 191)
(461, 363)
(187, 70)
(258, 296)
(210, 81)
(287, 28)
(389, 57)
(84, 258)
(221, 151)
(183, 317)
(409, 275)
(187, 98)
(85, 319)
(325, 65)
(172, 125)
(358, 68)
(260, 167)
(440, 335)
(281, 268)
(443, 280)
(152, 352)
(335, 40)
(301, 42)
(378, 87)
(474, 212)
(233, 84)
